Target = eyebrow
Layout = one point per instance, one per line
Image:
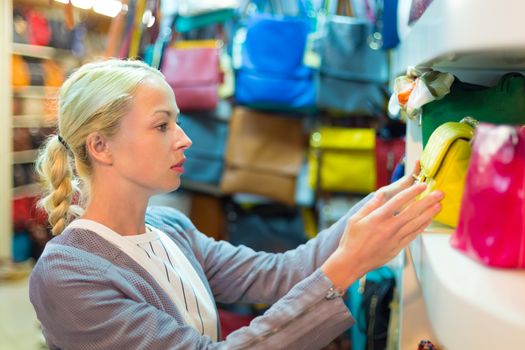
(168, 112)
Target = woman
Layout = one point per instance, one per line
(109, 280)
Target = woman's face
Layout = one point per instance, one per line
(148, 150)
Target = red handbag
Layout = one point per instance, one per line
(193, 73)
(39, 30)
(491, 225)
(388, 154)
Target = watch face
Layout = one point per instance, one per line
(417, 9)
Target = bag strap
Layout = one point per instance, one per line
(344, 8)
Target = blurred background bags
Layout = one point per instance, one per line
(264, 154)
(343, 160)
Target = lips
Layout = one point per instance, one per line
(179, 167)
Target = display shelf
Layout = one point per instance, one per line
(44, 52)
(468, 34)
(469, 305)
(32, 121)
(24, 157)
(35, 91)
(30, 190)
(201, 187)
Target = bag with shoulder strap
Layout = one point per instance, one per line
(444, 165)
(352, 75)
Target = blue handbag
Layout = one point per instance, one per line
(272, 74)
(353, 76)
(205, 158)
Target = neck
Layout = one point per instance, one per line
(122, 210)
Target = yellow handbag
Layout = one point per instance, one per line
(342, 160)
(444, 165)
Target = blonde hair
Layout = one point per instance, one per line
(94, 98)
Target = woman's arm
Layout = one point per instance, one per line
(239, 274)
(84, 301)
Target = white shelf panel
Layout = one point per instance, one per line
(471, 34)
(470, 306)
(35, 92)
(24, 157)
(30, 190)
(32, 121)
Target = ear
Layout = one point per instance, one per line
(98, 149)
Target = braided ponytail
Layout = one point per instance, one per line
(54, 168)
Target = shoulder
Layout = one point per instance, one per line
(162, 217)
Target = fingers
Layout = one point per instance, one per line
(402, 199)
(410, 237)
(370, 206)
(420, 220)
(415, 208)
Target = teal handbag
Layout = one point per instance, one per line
(186, 23)
(500, 104)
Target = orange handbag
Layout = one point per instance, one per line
(20, 72)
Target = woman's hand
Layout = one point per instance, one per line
(379, 230)
(406, 181)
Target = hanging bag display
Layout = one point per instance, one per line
(192, 70)
(352, 75)
(491, 226)
(205, 158)
(264, 154)
(270, 69)
(196, 14)
(343, 160)
(503, 103)
(444, 165)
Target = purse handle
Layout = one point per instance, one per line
(344, 7)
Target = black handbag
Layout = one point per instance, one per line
(265, 227)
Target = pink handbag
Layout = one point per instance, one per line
(194, 75)
(491, 225)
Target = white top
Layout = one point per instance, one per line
(170, 268)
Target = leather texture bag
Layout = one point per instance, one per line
(265, 227)
(444, 165)
(503, 103)
(389, 153)
(264, 154)
(352, 75)
(343, 160)
(491, 226)
(272, 74)
(205, 158)
(192, 71)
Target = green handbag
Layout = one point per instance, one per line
(186, 23)
(500, 104)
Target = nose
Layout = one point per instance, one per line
(182, 141)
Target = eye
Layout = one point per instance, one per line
(163, 127)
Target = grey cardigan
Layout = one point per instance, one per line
(88, 294)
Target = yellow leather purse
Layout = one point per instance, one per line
(444, 165)
(342, 160)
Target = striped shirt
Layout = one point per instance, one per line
(182, 278)
(164, 260)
